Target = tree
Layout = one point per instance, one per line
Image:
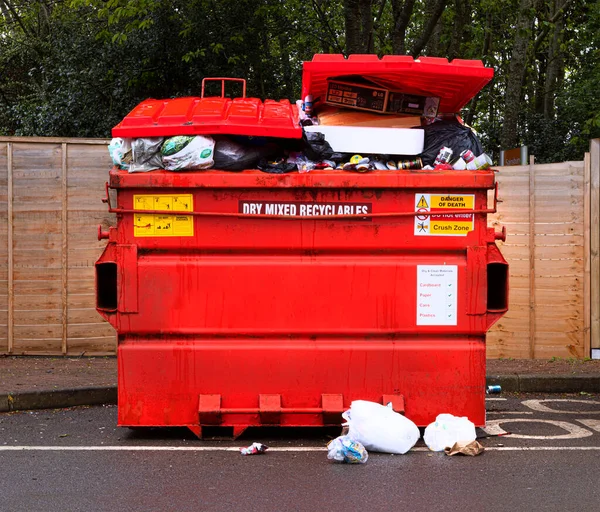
(76, 67)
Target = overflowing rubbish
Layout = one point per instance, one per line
(447, 430)
(449, 133)
(235, 156)
(254, 449)
(347, 450)
(471, 448)
(379, 428)
(120, 152)
(197, 153)
(392, 128)
(145, 154)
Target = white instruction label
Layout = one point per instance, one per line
(437, 287)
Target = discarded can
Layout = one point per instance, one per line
(459, 165)
(363, 167)
(254, 449)
(443, 156)
(493, 390)
(391, 165)
(308, 105)
(467, 155)
(417, 163)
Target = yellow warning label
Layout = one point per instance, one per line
(444, 214)
(147, 224)
(164, 202)
(422, 203)
(450, 228)
(451, 202)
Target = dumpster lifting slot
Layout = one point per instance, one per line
(270, 409)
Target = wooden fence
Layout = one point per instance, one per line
(50, 206)
(547, 213)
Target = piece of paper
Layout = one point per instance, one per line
(470, 448)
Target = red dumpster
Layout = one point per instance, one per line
(245, 299)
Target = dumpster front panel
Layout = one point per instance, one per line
(280, 299)
(163, 382)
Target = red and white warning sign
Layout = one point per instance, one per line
(447, 223)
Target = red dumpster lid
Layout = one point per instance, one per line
(455, 83)
(211, 115)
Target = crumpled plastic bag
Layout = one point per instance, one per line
(452, 134)
(276, 167)
(175, 144)
(145, 154)
(197, 154)
(379, 428)
(473, 448)
(233, 156)
(254, 449)
(120, 152)
(447, 430)
(345, 449)
(316, 148)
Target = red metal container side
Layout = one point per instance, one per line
(247, 299)
(297, 308)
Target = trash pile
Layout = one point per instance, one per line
(360, 125)
(375, 427)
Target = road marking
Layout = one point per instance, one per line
(537, 405)
(496, 399)
(593, 424)
(272, 449)
(508, 412)
(492, 428)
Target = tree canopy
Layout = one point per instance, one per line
(75, 68)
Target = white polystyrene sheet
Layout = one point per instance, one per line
(368, 140)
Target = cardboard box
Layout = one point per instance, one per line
(399, 103)
(358, 93)
(361, 94)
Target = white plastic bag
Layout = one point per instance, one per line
(447, 430)
(198, 154)
(120, 152)
(380, 428)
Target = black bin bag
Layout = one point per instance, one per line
(451, 134)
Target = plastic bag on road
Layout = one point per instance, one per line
(380, 428)
(345, 449)
(196, 154)
(447, 430)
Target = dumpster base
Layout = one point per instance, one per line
(302, 382)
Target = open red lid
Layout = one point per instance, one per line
(455, 83)
(210, 115)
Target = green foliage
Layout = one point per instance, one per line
(76, 67)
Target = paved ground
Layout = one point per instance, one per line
(48, 373)
(76, 459)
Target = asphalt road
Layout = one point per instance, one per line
(77, 460)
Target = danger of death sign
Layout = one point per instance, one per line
(446, 222)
